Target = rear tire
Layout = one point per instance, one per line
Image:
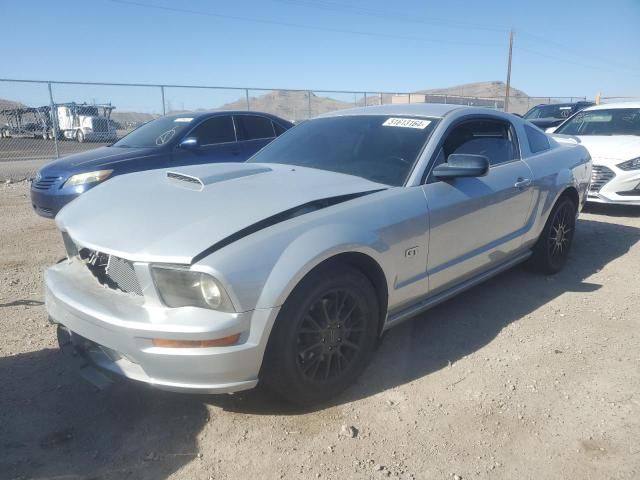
(551, 251)
(80, 136)
(324, 336)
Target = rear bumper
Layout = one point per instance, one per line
(117, 329)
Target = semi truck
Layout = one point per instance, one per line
(83, 122)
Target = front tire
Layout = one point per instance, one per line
(551, 251)
(324, 336)
(80, 136)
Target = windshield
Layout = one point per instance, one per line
(155, 133)
(613, 121)
(549, 111)
(380, 148)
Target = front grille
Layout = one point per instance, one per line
(600, 176)
(100, 125)
(111, 271)
(122, 273)
(45, 183)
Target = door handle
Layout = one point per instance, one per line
(522, 183)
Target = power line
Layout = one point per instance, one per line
(566, 61)
(328, 5)
(299, 25)
(386, 14)
(576, 52)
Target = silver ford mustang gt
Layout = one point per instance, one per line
(286, 269)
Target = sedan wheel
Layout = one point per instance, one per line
(324, 336)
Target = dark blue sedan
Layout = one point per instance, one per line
(170, 141)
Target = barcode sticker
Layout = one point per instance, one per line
(183, 119)
(406, 123)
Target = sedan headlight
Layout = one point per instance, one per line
(185, 288)
(89, 177)
(633, 164)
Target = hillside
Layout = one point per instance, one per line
(289, 105)
(518, 102)
(295, 105)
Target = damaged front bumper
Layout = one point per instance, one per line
(113, 331)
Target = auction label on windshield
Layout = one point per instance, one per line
(183, 119)
(406, 123)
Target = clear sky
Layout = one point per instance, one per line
(562, 47)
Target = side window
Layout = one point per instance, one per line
(538, 141)
(215, 130)
(278, 129)
(493, 139)
(253, 127)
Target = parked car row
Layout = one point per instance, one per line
(286, 269)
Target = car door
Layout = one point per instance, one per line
(254, 132)
(477, 222)
(216, 142)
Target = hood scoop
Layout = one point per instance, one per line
(191, 182)
(198, 182)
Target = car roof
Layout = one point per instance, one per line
(434, 110)
(606, 106)
(213, 113)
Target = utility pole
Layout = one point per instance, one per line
(506, 93)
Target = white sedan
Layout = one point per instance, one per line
(611, 133)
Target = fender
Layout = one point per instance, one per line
(548, 195)
(310, 249)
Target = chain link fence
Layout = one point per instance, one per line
(44, 120)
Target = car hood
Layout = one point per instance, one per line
(96, 159)
(612, 149)
(172, 216)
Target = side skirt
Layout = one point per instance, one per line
(431, 301)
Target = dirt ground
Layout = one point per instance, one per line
(525, 376)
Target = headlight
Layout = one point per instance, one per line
(184, 288)
(633, 164)
(89, 177)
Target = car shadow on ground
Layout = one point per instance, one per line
(611, 210)
(466, 323)
(54, 424)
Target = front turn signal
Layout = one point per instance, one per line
(218, 342)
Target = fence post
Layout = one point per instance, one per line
(365, 99)
(381, 98)
(246, 96)
(164, 108)
(54, 120)
(309, 103)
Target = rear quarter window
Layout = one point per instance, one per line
(538, 141)
(253, 127)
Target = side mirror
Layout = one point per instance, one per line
(462, 165)
(189, 143)
(551, 129)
